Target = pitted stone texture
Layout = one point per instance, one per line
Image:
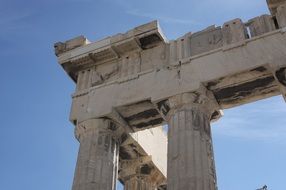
(261, 25)
(139, 183)
(98, 156)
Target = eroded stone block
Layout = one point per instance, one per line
(260, 25)
(233, 31)
(61, 47)
(206, 40)
(281, 15)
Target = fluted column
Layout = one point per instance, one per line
(190, 152)
(96, 167)
(137, 174)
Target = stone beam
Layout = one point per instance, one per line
(143, 159)
(127, 77)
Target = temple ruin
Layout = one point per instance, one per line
(129, 85)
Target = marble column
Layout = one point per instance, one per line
(190, 151)
(97, 162)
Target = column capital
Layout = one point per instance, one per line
(203, 100)
(104, 126)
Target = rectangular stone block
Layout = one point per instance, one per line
(61, 47)
(234, 31)
(281, 15)
(173, 52)
(78, 108)
(273, 4)
(260, 25)
(206, 40)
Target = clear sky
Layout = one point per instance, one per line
(37, 146)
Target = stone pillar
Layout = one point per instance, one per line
(98, 156)
(137, 174)
(190, 152)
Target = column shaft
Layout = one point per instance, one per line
(190, 152)
(97, 158)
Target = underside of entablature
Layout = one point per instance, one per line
(244, 87)
(150, 147)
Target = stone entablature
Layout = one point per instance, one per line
(139, 80)
(138, 77)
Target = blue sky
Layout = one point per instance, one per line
(37, 146)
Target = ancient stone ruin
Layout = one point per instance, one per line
(129, 85)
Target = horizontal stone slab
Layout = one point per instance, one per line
(147, 143)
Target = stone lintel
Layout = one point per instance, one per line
(133, 70)
(261, 25)
(246, 79)
(144, 149)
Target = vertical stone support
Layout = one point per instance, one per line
(98, 156)
(190, 152)
(137, 174)
(281, 15)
